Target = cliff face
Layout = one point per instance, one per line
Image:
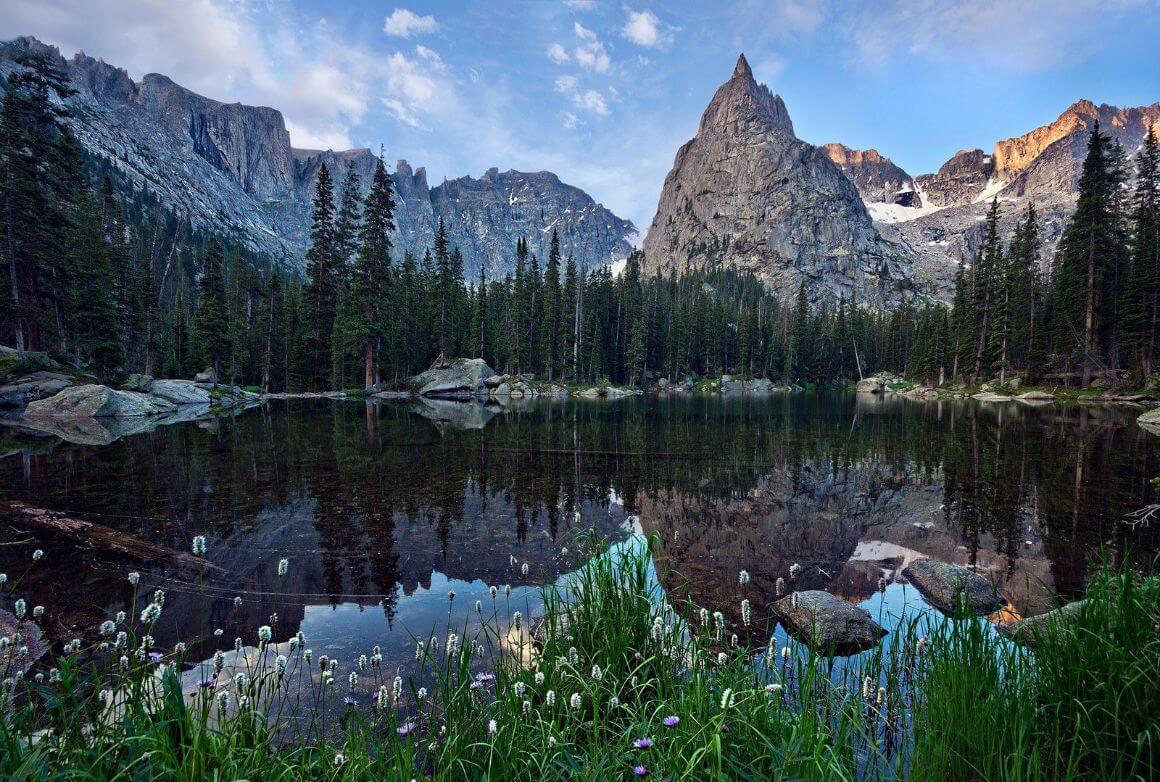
(877, 178)
(745, 192)
(229, 168)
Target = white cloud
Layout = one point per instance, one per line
(590, 53)
(645, 29)
(588, 100)
(430, 55)
(570, 120)
(580, 5)
(413, 88)
(403, 23)
(558, 53)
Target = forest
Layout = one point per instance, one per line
(106, 277)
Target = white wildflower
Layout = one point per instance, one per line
(576, 701)
(492, 728)
(198, 545)
(37, 555)
(727, 699)
(597, 674)
(283, 567)
(745, 612)
(550, 698)
(539, 677)
(134, 578)
(743, 577)
(151, 613)
(265, 634)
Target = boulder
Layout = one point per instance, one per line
(181, 392)
(870, 385)
(988, 396)
(96, 401)
(589, 393)
(33, 386)
(461, 377)
(12, 659)
(827, 624)
(137, 382)
(496, 380)
(1150, 421)
(732, 386)
(761, 385)
(952, 588)
(1026, 631)
(1035, 396)
(208, 376)
(553, 389)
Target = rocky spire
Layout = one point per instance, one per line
(741, 102)
(742, 71)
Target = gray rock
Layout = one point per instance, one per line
(208, 376)
(870, 385)
(137, 382)
(1150, 421)
(877, 178)
(732, 386)
(96, 401)
(12, 659)
(828, 624)
(1035, 396)
(460, 377)
(181, 392)
(761, 386)
(33, 386)
(1027, 631)
(988, 396)
(746, 193)
(951, 588)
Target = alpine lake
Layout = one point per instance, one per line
(382, 509)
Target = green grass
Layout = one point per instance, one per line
(609, 663)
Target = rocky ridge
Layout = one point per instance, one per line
(745, 192)
(231, 169)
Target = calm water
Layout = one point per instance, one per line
(381, 509)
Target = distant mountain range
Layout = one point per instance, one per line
(231, 170)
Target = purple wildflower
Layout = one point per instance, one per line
(640, 771)
(156, 657)
(476, 685)
(643, 743)
(405, 728)
(485, 677)
(206, 683)
(671, 721)
(375, 695)
(350, 700)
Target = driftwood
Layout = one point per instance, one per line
(105, 538)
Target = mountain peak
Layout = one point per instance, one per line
(742, 70)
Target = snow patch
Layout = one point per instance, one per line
(991, 190)
(617, 267)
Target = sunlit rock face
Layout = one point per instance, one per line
(877, 178)
(745, 192)
(230, 168)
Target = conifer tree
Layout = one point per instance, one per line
(211, 325)
(372, 272)
(322, 274)
(1141, 296)
(988, 263)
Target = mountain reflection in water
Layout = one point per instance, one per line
(382, 508)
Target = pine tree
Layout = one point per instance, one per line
(348, 221)
(93, 317)
(1141, 296)
(322, 274)
(988, 263)
(211, 324)
(372, 272)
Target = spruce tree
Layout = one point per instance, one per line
(988, 263)
(322, 274)
(1141, 295)
(211, 324)
(372, 271)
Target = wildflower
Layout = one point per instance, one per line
(793, 601)
(539, 677)
(240, 681)
(512, 559)
(492, 727)
(397, 688)
(179, 648)
(773, 689)
(339, 758)
(350, 700)
(727, 699)
(307, 655)
(20, 608)
(151, 613)
(108, 628)
(573, 655)
(779, 586)
(882, 585)
(156, 657)
(421, 694)
(920, 647)
(719, 620)
(362, 662)
(640, 771)
(507, 590)
(671, 721)
(333, 665)
(794, 569)
(120, 618)
(867, 688)
(733, 640)
(219, 662)
(283, 567)
(743, 577)
(493, 591)
(38, 611)
(517, 617)
(518, 688)
(524, 569)
(122, 640)
(237, 602)
(159, 597)
(124, 660)
(224, 699)
(564, 551)
(745, 612)
(643, 743)
(722, 658)
(37, 555)
(657, 628)
(785, 652)
(353, 679)
(881, 695)
(452, 644)
(704, 617)
(451, 594)
(405, 728)
(479, 607)
(418, 650)
(597, 674)
(3, 579)
(614, 702)
(134, 578)
(527, 706)
(206, 683)
(551, 741)
(550, 698)
(576, 701)
(381, 696)
(280, 665)
(199, 545)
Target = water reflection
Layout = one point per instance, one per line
(382, 508)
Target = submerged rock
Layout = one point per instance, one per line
(828, 624)
(1150, 421)
(96, 401)
(1026, 631)
(461, 377)
(951, 588)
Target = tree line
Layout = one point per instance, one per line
(107, 277)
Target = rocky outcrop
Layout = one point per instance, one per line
(97, 401)
(746, 193)
(230, 168)
(180, 392)
(461, 377)
(959, 181)
(1028, 631)
(827, 624)
(877, 178)
(1150, 421)
(953, 589)
(871, 385)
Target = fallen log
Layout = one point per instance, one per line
(105, 538)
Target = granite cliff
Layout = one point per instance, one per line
(230, 168)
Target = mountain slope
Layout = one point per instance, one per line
(230, 168)
(745, 192)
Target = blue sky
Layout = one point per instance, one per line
(603, 93)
